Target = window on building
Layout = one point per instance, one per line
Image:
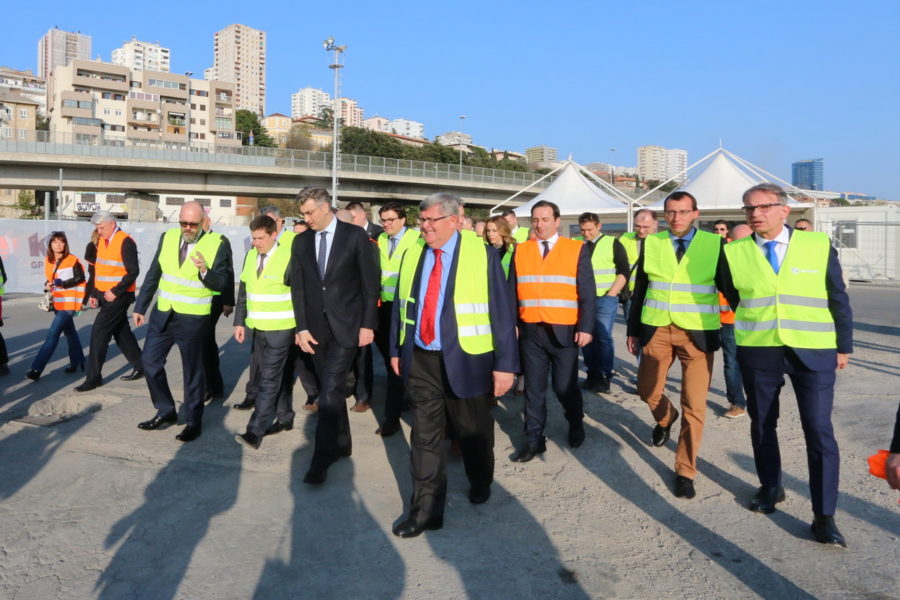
(107, 111)
(223, 123)
(203, 201)
(22, 133)
(225, 203)
(174, 201)
(23, 113)
(845, 233)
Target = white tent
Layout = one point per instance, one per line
(575, 194)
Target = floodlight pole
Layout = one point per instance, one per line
(330, 46)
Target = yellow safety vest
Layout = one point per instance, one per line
(180, 287)
(269, 305)
(630, 242)
(603, 263)
(470, 295)
(521, 234)
(787, 309)
(683, 293)
(390, 265)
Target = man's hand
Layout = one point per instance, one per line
(502, 382)
(366, 336)
(227, 310)
(92, 302)
(582, 339)
(199, 262)
(893, 470)
(239, 333)
(109, 296)
(138, 319)
(306, 342)
(842, 361)
(395, 365)
(633, 344)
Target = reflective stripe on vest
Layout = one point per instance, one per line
(683, 293)
(65, 298)
(180, 288)
(109, 268)
(546, 287)
(470, 295)
(269, 303)
(788, 309)
(603, 263)
(390, 265)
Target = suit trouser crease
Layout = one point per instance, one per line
(112, 322)
(214, 382)
(667, 344)
(542, 356)
(272, 349)
(333, 362)
(188, 334)
(815, 398)
(431, 404)
(394, 394)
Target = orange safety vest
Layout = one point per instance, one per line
(109, 268)
(546, 287)
(65, 298)
(726, 315)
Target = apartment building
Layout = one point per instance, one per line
(407, 128)
(239, 57)
(25, 83)
(350, 112)
(376, 123)
(309, 102)
(57, 48)
(142, 56)
(91, 102)
(17, 121)
(660, 164)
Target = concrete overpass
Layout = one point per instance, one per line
(244, 171)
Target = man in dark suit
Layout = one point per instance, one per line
(453, 341)
(361, 218)
(189, 266)
(336, 313)
(793, 318)
(675, 313)
(556, 290)
(222, 304)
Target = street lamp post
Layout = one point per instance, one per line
(459, 141)
(188, 74)
(330, 46)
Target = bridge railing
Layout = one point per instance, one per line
(109, 146)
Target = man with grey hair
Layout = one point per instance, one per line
(115, 273)
(275, 214)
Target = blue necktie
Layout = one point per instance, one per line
(679, 253)
(771, 256)
(322, 253)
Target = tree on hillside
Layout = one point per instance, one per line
(247, 121)
(300, 138)
(356, 140)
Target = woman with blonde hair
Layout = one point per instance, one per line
(498, 234)
(65, 279)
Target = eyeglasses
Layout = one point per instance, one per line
(189, 224)
(763, 208)
(389, 221)
(429, 221)
(684, 212)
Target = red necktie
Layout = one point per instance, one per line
(429, 307)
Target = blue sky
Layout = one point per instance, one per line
(775, 81)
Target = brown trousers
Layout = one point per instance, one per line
(658, 355)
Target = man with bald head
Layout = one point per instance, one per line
(189, 267)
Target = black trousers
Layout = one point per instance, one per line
(333, 362)
(187, 332)
(269, 352)
(431, 403)
(815, 397)
(541, 355)
(394, 398)
(214, 383)
(111, 322)
(365, 375)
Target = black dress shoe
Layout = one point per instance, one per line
(189, 433)
(345, 452)
(766, 498)
(74, 368)
(479, 494)
(411, 528)
(87, 386)
(315, 476)
(133, 376)
(576, 436)
(529, 451)
(33, 375)
(590, 383)
(388, 428)
(602, 385)
(248, 439)
(826, 531)
(279, 426)
(661, 434)
(684, 487)
(247, 404)
(158, 422)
